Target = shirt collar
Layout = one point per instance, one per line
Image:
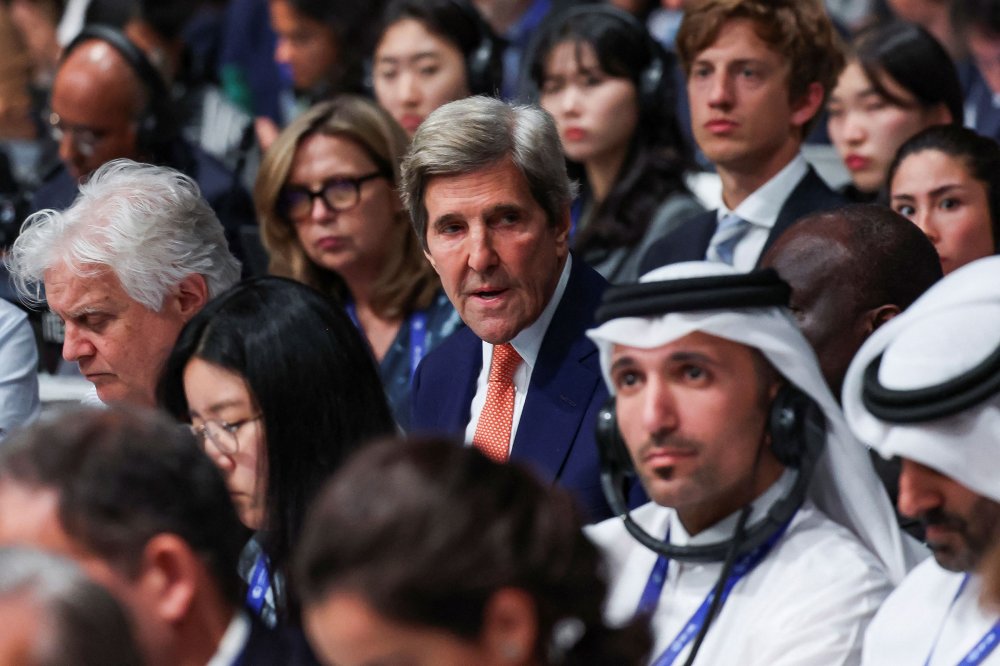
(761, 208)
(528, 342)
(233, 641)
(723, 530)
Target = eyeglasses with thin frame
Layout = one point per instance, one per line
(85, 139)
(338, 194)
(222, 433)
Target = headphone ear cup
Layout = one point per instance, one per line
(791, 412)
(652, 80)
(611, 447)
(482, 65)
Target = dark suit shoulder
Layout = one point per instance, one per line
(286, 646)
(57, 191)
(688, 242)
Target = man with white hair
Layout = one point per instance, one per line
(926, 388)
(767, 523)
(136, 256)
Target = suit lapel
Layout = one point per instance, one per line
(459, 386)
(564, 378)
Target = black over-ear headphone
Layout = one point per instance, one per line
(156, 123)
(796, 423)
(931, 402)
(652, 81)
(482, 64)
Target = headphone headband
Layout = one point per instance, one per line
(760, 288)
(157, 125)
(137, 60)
(651, 80)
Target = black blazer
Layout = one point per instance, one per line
(690, 241)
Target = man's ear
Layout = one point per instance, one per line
(880, 315)
(430, 260)
(169, 577)
(807, 106)
(191, 295)
(510, 627)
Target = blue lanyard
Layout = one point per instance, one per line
(418, 334)
(260, 581)
(658, 576)
(980, 650)
(418, 339)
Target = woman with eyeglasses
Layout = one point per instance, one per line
(331, 217)
(279, 390)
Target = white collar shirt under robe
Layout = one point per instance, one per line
(920, 613)
(807, 603)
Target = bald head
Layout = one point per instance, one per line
(98, 98)
(851, 270)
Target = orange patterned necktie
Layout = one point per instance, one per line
(493, 430)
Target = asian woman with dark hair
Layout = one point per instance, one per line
(324, 44)
(898, 81)
(427, 552)
(610, 88)
(431, 52)
(946, 180)
(279, 388)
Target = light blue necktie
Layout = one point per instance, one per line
(728, 234)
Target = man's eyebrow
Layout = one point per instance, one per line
(87, 309)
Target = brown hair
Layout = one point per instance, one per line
(448, 528)
(407, 282)
(799, 30)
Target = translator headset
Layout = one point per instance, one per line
(653, 82)
(483, 76)
(796, 423)
(156, 123)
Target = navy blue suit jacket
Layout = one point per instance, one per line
(555, 435)
(690, 241)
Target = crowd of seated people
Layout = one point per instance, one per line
(408, 333)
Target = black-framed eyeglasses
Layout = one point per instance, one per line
(222, 434)
(338, 194)
(85, 139)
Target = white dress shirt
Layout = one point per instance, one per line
(233, 641)
(806, 604)
(761, 210)
(527, 343)
(919, 617)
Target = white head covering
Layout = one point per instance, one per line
(844, 484)
(952, 328)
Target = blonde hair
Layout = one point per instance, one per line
(407, 282)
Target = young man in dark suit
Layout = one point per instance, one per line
(758, 74)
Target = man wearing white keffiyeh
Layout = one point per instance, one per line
(806, 600)
(926, 388)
